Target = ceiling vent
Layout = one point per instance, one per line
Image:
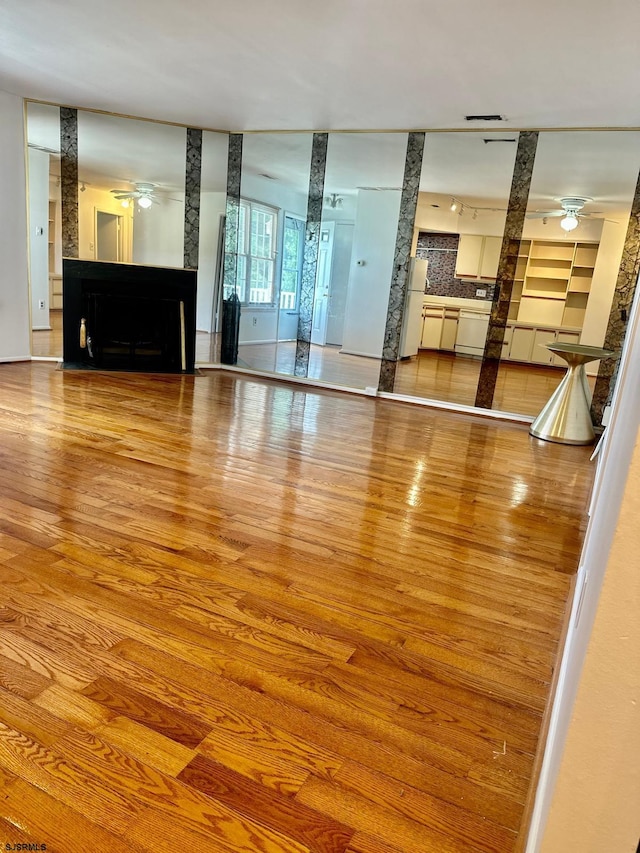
(485, 118)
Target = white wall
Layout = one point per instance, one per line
(212, 207)
(39, 237)
(374, 241)
(14, 289)
(603, 285)
(158, 233)
(598, 788)
(340, 268)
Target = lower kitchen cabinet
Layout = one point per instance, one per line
(540, 354)
(521, 344)
(449, 330)
(433, 319)
(527, 344)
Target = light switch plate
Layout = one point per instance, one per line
(481, 291)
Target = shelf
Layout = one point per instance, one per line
(580, 284)
(573, 317)
(551, 250)
(547, 287)
(541, 312)
(586, 254)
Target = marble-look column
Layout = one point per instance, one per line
(516, 210)
(232, 215)
(193, 169)
(69, 181)
(401, 260)
(310, 255)
(619, 315)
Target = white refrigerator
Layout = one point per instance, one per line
(412, 322)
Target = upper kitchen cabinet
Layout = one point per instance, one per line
(478, 257)
(469, 256)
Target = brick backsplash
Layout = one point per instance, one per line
(440, 250)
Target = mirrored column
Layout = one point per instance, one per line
(465, 183)
(581, 192)
(270, 248)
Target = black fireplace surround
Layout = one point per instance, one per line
(128, 317)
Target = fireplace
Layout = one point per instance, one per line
(128, 317)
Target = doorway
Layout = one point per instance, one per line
(322, 292)
(108, 236)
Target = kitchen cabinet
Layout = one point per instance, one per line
(539, 353)
(478, 257)
(527, 344)
(449, 329)
(490, 257)
(433, 319)
(469, 256)
(521, 344)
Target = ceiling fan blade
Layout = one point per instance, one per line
(543, 214)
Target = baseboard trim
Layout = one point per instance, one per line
(495, 414)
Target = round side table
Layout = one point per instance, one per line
(565, 418)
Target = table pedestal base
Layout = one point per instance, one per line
(565, 418)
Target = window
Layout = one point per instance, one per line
(292, 247)
(257, 230)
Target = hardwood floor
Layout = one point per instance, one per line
(242, 616)
(521, 389)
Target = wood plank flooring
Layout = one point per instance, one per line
(242, 616)
(520, 388)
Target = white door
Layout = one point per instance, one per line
(323, 285)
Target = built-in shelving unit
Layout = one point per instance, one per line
(52, 237)
(552, 283)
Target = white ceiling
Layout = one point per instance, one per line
(365, 64)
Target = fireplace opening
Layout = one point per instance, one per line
(126, 317)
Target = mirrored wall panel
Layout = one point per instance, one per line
(462, 205)
(215, 148)
(359, 225)
(45, 230)
(580, 198)
(271, 232)
(131, 178)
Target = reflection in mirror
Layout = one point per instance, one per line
(363, 183)
(577, 215)
(45, 233)
(273, 209)
(464, 192)
(131, 199)
(213, 189)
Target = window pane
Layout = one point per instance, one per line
(261, 281)
(242, 228)
(261, 233)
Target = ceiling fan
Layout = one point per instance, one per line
(144, 193)
(570, 210)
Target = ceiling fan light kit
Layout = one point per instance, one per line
(569, 222)
(144, 193)
(570, 211)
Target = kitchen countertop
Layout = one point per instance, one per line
(481, 306)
